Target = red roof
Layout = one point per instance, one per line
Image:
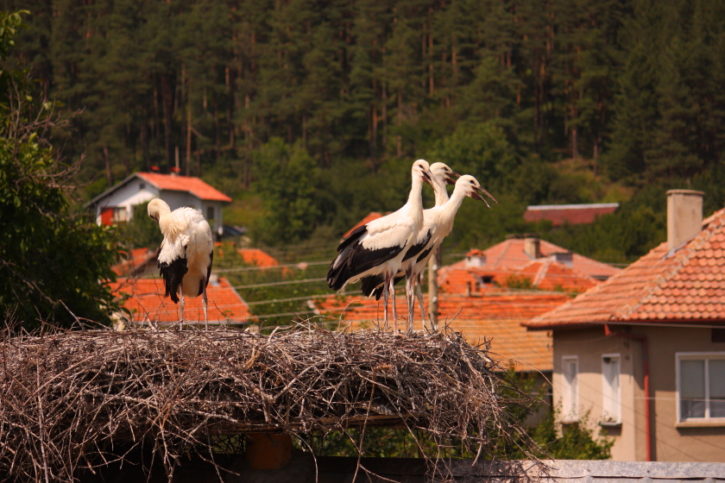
(687, 286)
(496, 316)
(571, 214)
(190, 184)
(544, 274)
(134, 259)
(373, 215)
(255, 256)
(146, 302)
(509, 255)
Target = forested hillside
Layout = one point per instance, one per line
(309, 113)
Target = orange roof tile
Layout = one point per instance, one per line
(255, 256)
(496, 316)
(373, 215)
(510, 254)
(544, 274)
(571, 214)
(191, 184)
(144, 298)
(685, 286)
(134, 259)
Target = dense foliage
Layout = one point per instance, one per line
(51, 260)
(309, 112)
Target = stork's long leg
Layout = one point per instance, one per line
(385, 302)
(410, 297)
(421, 302)
(181, 309)
(204, 307)
(391, 284)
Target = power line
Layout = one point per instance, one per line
(284, 282)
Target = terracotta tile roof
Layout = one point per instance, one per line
(373, 215)
(191, 184)
(687, 286)
(144, 298)
(133, 260)
(571, 214)
(255, 256)
(544, 274)
(496, 316)
(510, 255)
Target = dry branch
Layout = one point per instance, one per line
(80, 400)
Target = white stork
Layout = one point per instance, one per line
(186, 253)
(437, 225)
(378, 247)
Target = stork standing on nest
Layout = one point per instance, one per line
(437, 225)
(186, 253)
(378, 247)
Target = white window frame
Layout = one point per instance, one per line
(616, 397)
(570, 415)
(696, 356)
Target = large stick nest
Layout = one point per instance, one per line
(80, 400)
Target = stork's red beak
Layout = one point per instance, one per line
(480, 194)
(452, 177)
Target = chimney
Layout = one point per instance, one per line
(684, 216)
(532, 247)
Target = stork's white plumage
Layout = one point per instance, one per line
(437, 225)
(186, 252)
(378, 247)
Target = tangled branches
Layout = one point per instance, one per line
(81, 400)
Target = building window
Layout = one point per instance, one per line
(610, 389)
(570, 394)
(701, 386)
(210, 213)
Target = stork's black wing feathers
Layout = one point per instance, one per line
(357, 260)
(370, 283)
(354, 236)
(424, 254)
(173, 273)
(205, 281)
(373, 286)
(415, 249)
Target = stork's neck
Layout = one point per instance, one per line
(450, 207)
(440, 192)
(415, 198)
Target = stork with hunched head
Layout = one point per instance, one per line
(186, 253)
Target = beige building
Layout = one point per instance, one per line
(641, 357)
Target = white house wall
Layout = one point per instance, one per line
(133, 193)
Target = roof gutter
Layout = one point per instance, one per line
(642, 339)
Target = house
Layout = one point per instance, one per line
(144, 299)
(116, 203)
(135, 262)
(517, 252)
(575, 214)
(471, 275)
(641, 357)
(496, 317)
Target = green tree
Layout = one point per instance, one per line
(53, 263)
(287, 181)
